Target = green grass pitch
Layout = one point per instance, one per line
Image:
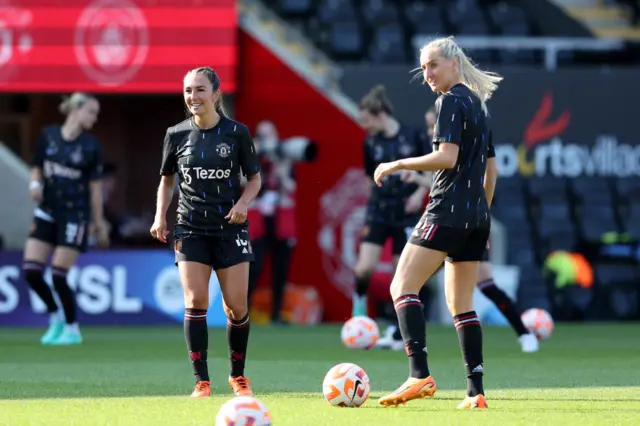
(585, 374)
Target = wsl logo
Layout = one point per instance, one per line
(544, 153)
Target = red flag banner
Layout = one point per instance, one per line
(114, 46)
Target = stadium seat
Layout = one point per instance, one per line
(468, 20)
(632, 221)
(425, 19)
(532, 291)
(613, 275)
(591, 189)
(345, 40)
(378, 12)
(549, 189)
(295, 8)
(388, 45)
(596, 220)
(628, 188)
(520, 250)
(331, 11)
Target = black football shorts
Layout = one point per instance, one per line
(219, 252)
(460, 245)
(61, 233)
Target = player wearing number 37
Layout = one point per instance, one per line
(66, 182)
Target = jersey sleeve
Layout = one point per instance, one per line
(491, 151)
(248, 155)
(448, 126)
(97, 164)
(169, 164)
(369, 163)
(41, 147)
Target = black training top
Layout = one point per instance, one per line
(67, 167)
(208, 163)
(457, 197)
(387, 202)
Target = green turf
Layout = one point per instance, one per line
(587, 375)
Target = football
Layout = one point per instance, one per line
(360, 333)
(243, 411)
(539, 322)
(346, 385)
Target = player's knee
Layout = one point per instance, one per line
(459, 304)
(235, 311)
(196, 299)
(363, 270)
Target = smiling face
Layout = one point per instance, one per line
(439, 72)
(199, 96)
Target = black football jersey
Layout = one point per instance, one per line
(67, 167)
(457, 196)
(208, 163)
(387, 202)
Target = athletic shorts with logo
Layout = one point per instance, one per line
(61, 233)
(378, 232)
(219, 252)
(460, 245)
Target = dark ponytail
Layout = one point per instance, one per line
(213, 78)
(376, 101)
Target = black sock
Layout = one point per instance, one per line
(412, 327)
(65, 293)
(238, 340)
(504, 303)
(197, 336)
(33, 276)
(470, 338)
(362, 285)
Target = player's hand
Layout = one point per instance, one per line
(238, 213)
(414, 203)
(410, 176)
(383, 170)
(101, 232)
(159, 230)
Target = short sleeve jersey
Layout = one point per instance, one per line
(457, 197)
(68, 167)
(208, 163)
(387, 202)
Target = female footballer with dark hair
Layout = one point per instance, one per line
(392, 210)
(66, 182)
(209, 151)
(456, 224)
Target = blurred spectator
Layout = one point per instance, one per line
(272, 217)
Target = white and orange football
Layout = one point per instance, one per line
(539, 322)
(346, 385)
(360, 333)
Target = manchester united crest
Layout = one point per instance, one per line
(223, 150)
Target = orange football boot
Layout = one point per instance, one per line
(241, 386)
(411, 389)
(202, 390)
(478, 401)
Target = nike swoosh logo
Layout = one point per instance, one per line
(355, 389)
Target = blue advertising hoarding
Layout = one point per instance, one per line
(136, 287)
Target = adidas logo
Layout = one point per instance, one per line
(478, 369)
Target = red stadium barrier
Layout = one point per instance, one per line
(114, 46)
(268, 89)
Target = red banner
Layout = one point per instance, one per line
(114, 46)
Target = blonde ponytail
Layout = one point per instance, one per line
(482, 83)
(76, 100)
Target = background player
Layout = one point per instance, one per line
(209, 151)
(456, 223)
(66, 183)
(393, 209)
(508, 307)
